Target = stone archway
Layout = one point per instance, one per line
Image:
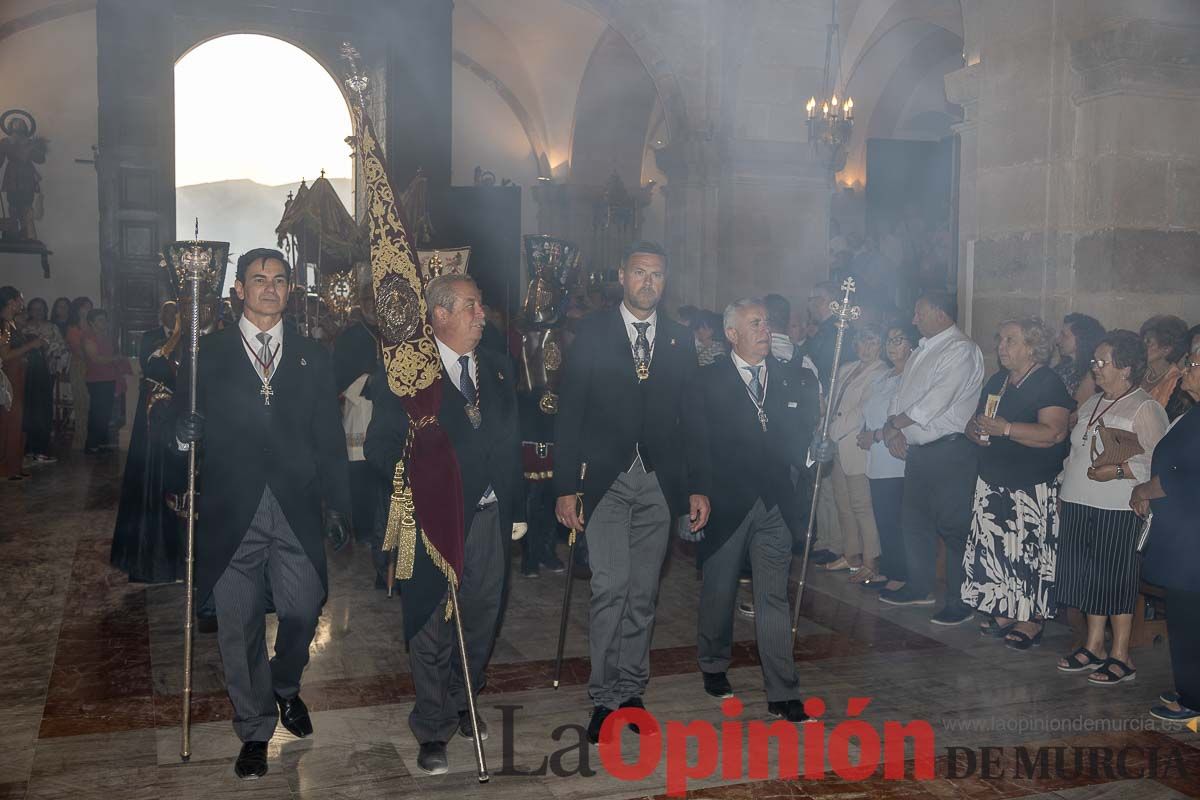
(406, 48)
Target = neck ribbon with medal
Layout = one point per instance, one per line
(474, 415)
(759, 404)
(264, 371)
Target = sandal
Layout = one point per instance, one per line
(1075, 665)
(876, 581)
(1021, 640)
(862, 575)
(994, 630)
(1111, 678)
(837, 566)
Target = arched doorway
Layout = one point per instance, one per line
(282, 118)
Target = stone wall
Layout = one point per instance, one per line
(1080, 187)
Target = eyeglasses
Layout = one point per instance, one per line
(1191, 365)
(1099, 363)
(897, 340)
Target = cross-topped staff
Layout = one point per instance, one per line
(845, 314)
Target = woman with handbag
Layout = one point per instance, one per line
(1110, 453)
(1021, 429)
(1172, 555)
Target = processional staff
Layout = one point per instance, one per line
(198, 269)
(845, 314)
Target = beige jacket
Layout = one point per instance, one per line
(854, 380)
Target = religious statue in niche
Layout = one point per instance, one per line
(20, 149)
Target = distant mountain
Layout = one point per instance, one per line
(241, 212)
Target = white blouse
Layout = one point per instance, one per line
(1137, 412)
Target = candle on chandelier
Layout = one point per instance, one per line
(848, 108)
(811, 107)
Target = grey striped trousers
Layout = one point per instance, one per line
(269, 562)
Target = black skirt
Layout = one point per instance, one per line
(1098, 566)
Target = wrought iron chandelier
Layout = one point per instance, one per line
(830, 124)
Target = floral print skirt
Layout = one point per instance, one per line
(1012, 553)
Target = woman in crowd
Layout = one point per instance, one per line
(1172, 555)
(76, 328)
(1098, 566)
(851, 488)
(42, 366)
(60, 315)
(14, 347)
(1166, 340)
(885, 472)
(1076, 344)
(1021, 427)
(103, 372)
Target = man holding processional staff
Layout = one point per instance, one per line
(269, 430)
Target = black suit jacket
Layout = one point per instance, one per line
(488, 456)
(604, 412)
(295, 446)
(748, 464)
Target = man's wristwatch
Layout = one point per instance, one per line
(1120, 472)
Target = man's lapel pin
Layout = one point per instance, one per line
(303, 362)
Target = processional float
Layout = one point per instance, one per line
(427, 484)
(197, 270)
(844, 314)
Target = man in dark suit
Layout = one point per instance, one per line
(760, 419)
(623, 411)
(479, 415)
(272, 450)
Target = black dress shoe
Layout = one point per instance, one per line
(464, 725)
(432, 758)
(635, 702)
(717, 685)
(251, 763)
(582, 572)
(294, 716)
(599, 714)
(791, 710)
(820, 557)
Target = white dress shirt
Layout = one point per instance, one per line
(631, 331)
(742, 366)
(252, 345)
(940, 387)
(454, 370)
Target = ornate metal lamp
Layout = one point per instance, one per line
(831, 121)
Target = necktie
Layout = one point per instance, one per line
(755, 383)
(465, 384)
(641, 345)
(264, 353)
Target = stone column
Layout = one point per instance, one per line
(691, 167)
(1137, 172)
(1080, 179)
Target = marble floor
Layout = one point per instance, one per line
(91, 677)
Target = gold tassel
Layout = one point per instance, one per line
(401, 534)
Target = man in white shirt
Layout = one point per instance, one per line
(937, 397)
